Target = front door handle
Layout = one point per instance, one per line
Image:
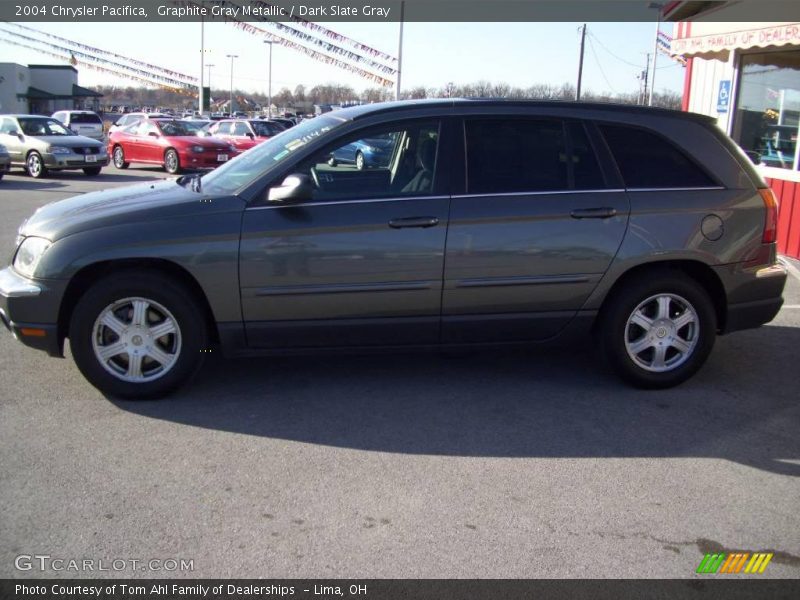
(603, 212)
(405, 222)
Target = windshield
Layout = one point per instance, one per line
(247, 167)
(177, 128)
(39, 127)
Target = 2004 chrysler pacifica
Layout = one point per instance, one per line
(490, 222)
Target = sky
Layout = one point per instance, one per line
(520, 54)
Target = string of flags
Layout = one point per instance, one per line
(330, 60)
(98, 51)
(75, 56)
(95, 67)
(365, 67)
(338, 37)
(664, 45)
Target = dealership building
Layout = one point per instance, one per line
(747, 76)
(43, 89)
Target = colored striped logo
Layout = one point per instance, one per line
(737, 562)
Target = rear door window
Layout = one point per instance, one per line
(647, 160)
(524, 155)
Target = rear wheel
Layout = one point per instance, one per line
(172, 162)
(658, 330)
(360, 162)
(34, 165)
(137, 335)
(119, 158)
(92, 171)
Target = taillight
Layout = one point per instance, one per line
(771, 221)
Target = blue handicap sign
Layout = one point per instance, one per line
(724, 96)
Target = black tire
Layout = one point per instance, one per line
(617, 333)
(118, 156)
(361, 164)
(172, 162)
(1, 175)
(34, 165)
(158, 290)
(92, 171)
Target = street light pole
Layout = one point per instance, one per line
(400, 52)
(269, 81)
(209, 65)
(230, 106)
(202, 58)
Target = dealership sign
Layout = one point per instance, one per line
(788, 33)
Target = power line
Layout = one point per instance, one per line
(599, 66)
(603, 46)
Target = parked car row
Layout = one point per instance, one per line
(74, 139)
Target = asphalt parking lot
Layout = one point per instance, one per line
(514, 464)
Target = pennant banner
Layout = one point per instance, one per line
(310, 52)
(172, 74)
(336, 36)
(329, 47)
(109, 66)
(74, 61)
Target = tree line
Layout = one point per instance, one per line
(304, 97)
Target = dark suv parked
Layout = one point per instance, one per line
(491, 222)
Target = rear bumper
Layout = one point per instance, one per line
(754, 295)
(23, 304)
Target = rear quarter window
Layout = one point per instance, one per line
(647, 160)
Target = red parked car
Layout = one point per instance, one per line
(175, 145)
(244, 134)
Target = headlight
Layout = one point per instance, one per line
(3, 149)
(232, 148)
(29, 254)
(59, 150)
(197, 148)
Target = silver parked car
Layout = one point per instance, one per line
(39, 144)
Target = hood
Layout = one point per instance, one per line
(72, 141)
(139, 203)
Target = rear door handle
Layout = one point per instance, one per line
(405, 222)
(603, 212)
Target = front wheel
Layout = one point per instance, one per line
(360, 162)
(119, 158)
(172, 162)
(34, 165)
(137, 335)
(658, 330)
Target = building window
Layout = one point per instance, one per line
(768, 108)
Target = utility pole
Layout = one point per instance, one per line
(580, 64)
(400, 51)
(646, 78)
(202, 59)
(657, 6)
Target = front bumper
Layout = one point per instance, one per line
(29, 310)
(74, 161)
(205, 160)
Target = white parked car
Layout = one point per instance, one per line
(82, 122)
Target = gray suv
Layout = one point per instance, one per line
(490, 222)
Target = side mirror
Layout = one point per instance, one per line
(152, 133)
(295, 188)
(250, 135)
